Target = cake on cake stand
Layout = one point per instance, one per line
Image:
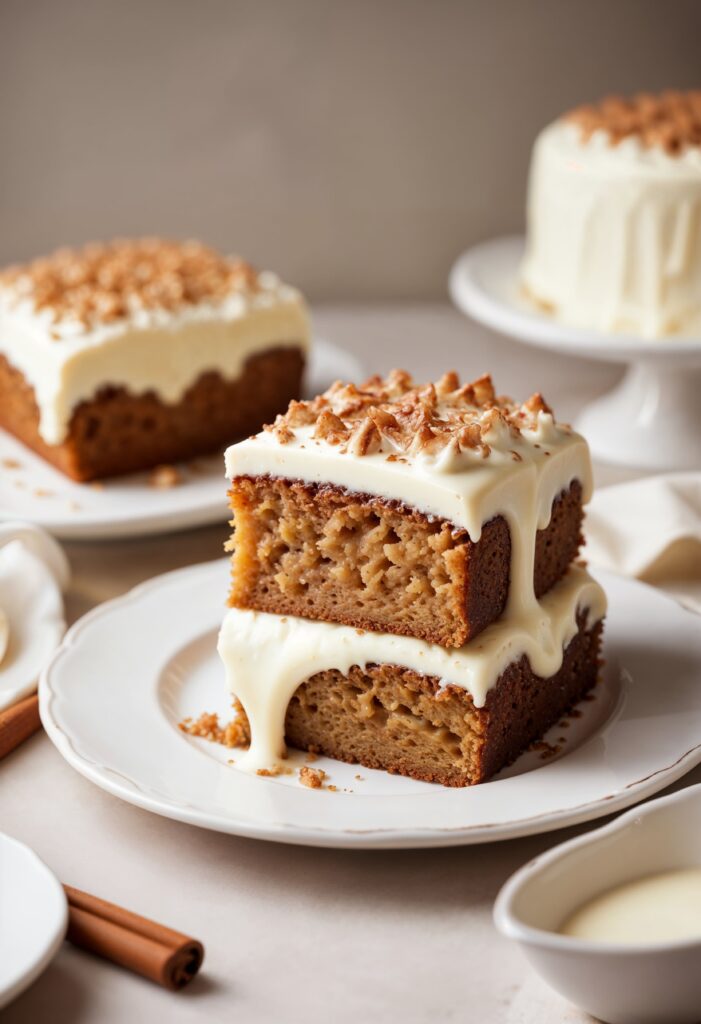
(651, 419)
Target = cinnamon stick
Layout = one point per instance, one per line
(150, 949)
(18, 723)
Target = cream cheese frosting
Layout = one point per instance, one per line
(459, 454)
(614, 232)
(148, 346)
(266, 656)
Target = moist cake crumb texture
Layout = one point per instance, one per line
(321, 553)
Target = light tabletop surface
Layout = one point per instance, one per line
(291, 934)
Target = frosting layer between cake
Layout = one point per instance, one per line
(266, 656)
(614, 232)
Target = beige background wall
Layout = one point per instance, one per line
(355, 146)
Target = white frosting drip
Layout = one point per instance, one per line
(150, 350)
(614, 233)
(267, 656)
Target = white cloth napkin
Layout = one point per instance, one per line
(650, 528)
(33, 572)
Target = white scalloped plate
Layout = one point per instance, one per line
(32, 490)
(155, 648)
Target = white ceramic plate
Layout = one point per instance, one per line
(33, 917)
(156, 650)
(32, 490)
(33, 571)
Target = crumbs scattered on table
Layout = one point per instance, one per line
(274, 771)
(545, 750)
(163, 477)
(11, 464)
(198, 467)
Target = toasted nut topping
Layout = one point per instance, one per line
(671, 120)
(101, 283)
(398, 418)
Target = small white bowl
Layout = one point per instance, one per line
(619, 984)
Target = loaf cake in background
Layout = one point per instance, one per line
(369, 524)
(614, 216)
(117, 357)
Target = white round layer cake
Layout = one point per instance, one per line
(614, 216)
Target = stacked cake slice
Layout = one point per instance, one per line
(404, 594)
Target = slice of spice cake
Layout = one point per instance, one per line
(117, 357)
(421, 511)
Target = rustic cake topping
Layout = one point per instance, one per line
(101, 283)
(671, 121)
(397, 416)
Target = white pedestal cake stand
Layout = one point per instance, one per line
(651, 419)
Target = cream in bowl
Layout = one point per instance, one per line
(612, 919)
(665, 907)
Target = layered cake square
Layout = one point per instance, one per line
(404, 593)
(118, 357)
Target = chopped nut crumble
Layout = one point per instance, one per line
(671, 120)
